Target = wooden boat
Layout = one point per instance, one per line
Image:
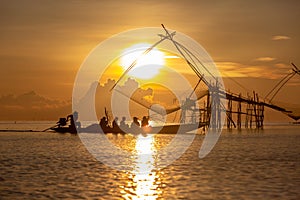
(95, 128)
(166, 129)
(63, 129)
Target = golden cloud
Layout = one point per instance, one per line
(280, 37)
(265, 59)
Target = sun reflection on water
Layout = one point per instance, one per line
(144, 177)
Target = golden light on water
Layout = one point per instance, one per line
(144, 176)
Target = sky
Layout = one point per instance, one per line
(43, 43)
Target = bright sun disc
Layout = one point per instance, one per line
(147, 66)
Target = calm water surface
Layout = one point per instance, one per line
(261, 164)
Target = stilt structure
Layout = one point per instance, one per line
(254, 111)
(211, 112)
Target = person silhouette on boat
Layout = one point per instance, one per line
(115, 124)
(75, 118)
(73, 122)
(136, 122)
(104, 123)
(61, 122)
(135, 126)
(145, 121)
(145, 126)
(123, 124)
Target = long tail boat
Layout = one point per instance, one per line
(166, 129)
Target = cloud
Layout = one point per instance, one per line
(280, 37)
(234, 69)
(265, 59)
(283, 66)
(31, 106)
(128, 99)
(99, 97)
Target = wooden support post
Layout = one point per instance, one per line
(207, 112)
(239, 110)
(213, 110)
(251, 114)
(229, 114)
(255, 109)
(218, 107)
(183, 114)
(258, 112)
(247, 113)
(262, 116)
(204, 112)
(258, 116)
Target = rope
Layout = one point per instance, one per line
(282, 86)
(278, 84)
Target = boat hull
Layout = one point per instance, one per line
(167, 129)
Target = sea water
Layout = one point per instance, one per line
(247, 164)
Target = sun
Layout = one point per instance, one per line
(147, 65)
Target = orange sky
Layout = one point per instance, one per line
(43, 43)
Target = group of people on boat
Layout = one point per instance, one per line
(123, 126)
(115, 126)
